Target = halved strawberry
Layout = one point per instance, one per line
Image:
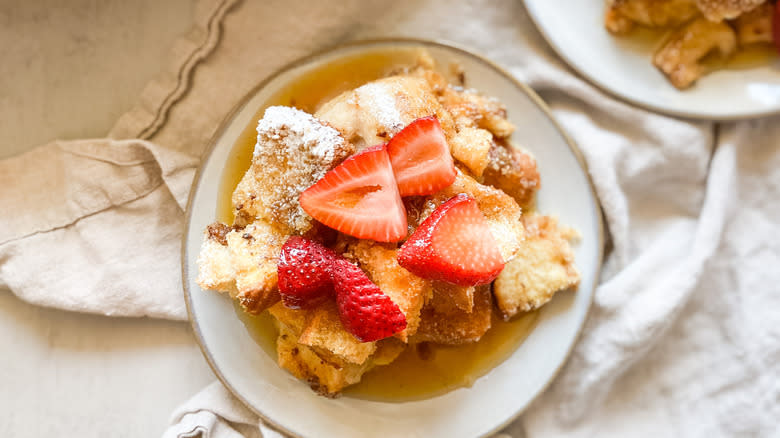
(365, 310)
(360, 198)
(421, 158)
(453, 244)
(304, 272)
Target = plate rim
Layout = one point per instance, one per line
(690, 115)
(440, 43)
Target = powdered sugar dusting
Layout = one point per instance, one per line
(378, 100)
(315, 138)
(293, 151)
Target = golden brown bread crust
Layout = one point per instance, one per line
(320, 328)
(452, 326)
(651, 13)
(699, 29)
(514, 172)
(407, 290)
(451, 298)
(471, 147)
(667, 13)
(323, 331)
(679, 57)
(717, 10)
(308, 350)
(373, 113)
(326, 376)
(617, 23)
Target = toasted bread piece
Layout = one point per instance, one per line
(468, 108)
(373, 113)
(514, 172)
(717, 10)
(326, 376)
(453, 326)
(651, 13)
(327, 373)
(617, 23)
(242, 262)
(387, 350)
(543, 266)
(294, 150)
(472, 109)
(471, 146)
(500, 210)
(215, 260)
(407, 290)
(755, 26)
(451, 298)
(679, 57)
(292, 319)
(323, 331)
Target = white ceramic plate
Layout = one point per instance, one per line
(575, 29)
(494, 399)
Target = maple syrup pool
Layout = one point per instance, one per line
(416, 374)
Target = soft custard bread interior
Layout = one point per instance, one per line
(679, 58)
(295, 149)
(242, 263)
(544, 265)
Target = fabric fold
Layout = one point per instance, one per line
(96, 226)
(684, 334)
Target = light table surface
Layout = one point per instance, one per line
(69, 70)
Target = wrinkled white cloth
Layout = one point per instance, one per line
(684, 334)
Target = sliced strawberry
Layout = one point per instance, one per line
(365, 310)
(421, 158)
(453, 244)
(360, 198)
(304, 274)
(776, 26)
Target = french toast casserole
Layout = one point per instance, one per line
(698, 28)
(396, 214)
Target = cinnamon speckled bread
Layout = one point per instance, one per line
(241, 262)
(717, 10)
(294, 150)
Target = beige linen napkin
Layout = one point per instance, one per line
(684, 335)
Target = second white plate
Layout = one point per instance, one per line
(575, 29)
